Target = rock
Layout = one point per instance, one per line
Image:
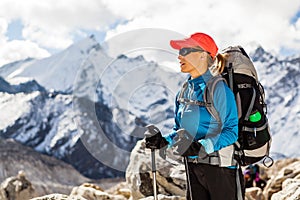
(170, 173)
(290, 190)
(89, 191)
(47, 174)
(254, 193)
(283, 170)
(163, 197)
(120, 189)
(59, 197)
(16, 188)
(94, 192)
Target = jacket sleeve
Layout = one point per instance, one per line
(224, 102)
(169, 137)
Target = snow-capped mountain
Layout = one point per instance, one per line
(85, 107)
(282, 86)
(56, 72)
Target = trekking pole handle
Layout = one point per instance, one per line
(152, 130)
(153, 165)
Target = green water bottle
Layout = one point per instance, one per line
(255, 116)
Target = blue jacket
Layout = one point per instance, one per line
(200, 123)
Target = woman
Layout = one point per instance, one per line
(212, 172)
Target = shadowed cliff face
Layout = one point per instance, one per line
(47, 174)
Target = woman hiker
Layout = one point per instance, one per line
(207, 144)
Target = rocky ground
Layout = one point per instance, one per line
(283, 180)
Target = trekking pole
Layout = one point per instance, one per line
(188, 177)
(153, 130)
(153, 166)
(182, 133)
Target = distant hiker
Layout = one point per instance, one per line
(252, 177)
(206, 143)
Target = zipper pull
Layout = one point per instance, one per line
(254, 131)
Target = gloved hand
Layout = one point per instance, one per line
(186, 146)
(154, 138)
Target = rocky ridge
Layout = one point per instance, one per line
(46, 174)
(283, 182)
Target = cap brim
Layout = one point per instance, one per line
(179, 44)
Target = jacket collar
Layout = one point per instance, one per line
(204, 78)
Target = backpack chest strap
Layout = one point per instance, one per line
(208, 97)
(193, 102)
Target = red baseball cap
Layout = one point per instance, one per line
(197, 39)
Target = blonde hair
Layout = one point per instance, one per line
(217, 65)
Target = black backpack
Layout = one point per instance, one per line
(254, 138)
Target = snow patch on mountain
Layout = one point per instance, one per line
(56, 72)
(282, 87)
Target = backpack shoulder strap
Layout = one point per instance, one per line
(208, 96)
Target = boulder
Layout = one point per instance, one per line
(120, 189)
(91, 191)
(59, 197)
(16, 188)
(290, 190)
(254, 193)
(281, 171)
(170, 173)
(46, 174)
(164, 197)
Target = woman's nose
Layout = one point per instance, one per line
(180, 57)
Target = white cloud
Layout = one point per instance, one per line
(57, 38)
(51, 23)
(229, 22)
(55, 23)
(3, 28)
(18, 50)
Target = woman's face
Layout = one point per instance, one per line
(194, 63)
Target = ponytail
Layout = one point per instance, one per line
(221, 59)
(217, 67)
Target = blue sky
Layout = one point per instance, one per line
(14, 30)
(38, 29)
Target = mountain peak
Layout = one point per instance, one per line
(260, 55)
(27, 87)
(58, 71)
(86, 45)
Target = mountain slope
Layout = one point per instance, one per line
(56, 72)
(47, 174)
(87, 120)
(48, 123)
(282, 86)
